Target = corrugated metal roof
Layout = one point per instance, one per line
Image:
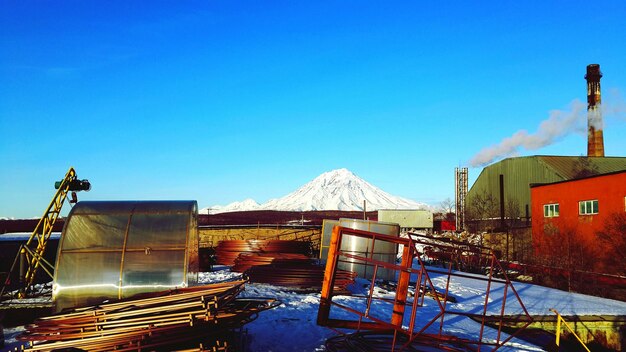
(566, 166)
(581, 178)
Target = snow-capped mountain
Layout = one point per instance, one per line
(246, 205)
(334, 190)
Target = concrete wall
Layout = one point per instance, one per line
(210, 236)
(599, 333)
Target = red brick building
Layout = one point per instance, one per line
(568, 215)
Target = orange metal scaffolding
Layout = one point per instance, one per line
(417, 328)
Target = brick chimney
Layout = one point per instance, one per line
(595, 138)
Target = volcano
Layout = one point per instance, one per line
(338, 189)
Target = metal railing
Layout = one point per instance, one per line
(560, 319)
(422, 328)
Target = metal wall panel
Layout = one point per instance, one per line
(406, 218)
(519, 174)
(114, 250)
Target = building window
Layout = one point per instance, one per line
(588, 207)
(551, 210)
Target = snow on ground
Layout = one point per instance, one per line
(220, 273)
(24, 236)
(9, 337)
(537, 299)
(292, 326)
(289, 327)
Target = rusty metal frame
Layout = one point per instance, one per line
(366, 322)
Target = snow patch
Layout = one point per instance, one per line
(245, 205)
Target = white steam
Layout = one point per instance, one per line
(615, 106)
(559, 124)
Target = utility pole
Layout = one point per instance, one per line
(364, 209)
(208, 212)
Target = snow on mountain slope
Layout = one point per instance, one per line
(334, 190)
(339, 190)
(246, 205)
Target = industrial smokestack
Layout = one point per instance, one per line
(595, 138)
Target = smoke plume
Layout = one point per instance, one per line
(558, 125)
(614, 105)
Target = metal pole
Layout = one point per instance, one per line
(502, 224)
(364, 210)
(23, 260)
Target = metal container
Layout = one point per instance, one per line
(407, 218)
(115, 250)
(382, 251)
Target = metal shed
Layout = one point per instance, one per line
(115, 250)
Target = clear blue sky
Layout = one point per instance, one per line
(219, 101)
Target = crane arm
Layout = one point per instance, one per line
(31, 254)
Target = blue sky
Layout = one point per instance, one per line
(219, 101)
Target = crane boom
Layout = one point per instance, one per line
(31, 254)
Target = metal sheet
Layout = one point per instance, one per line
(95, 231)
(85, 278)
(379, 250)
(327, 230)
(152, 271)
(407, 218)
(158, 230)
(113, 250)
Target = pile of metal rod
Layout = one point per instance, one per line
(155, 321)
(247, 260)
(303, 276)
(228, 251)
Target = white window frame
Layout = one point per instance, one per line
(551, 210)
(586, 207)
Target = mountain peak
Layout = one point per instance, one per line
(338, 189)
(339, 172)
(338, 176)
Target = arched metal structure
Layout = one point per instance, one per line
(115, 250)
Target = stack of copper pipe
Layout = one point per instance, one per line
(245, 261)
(161, 321)
(303, 276)
(228, 251)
